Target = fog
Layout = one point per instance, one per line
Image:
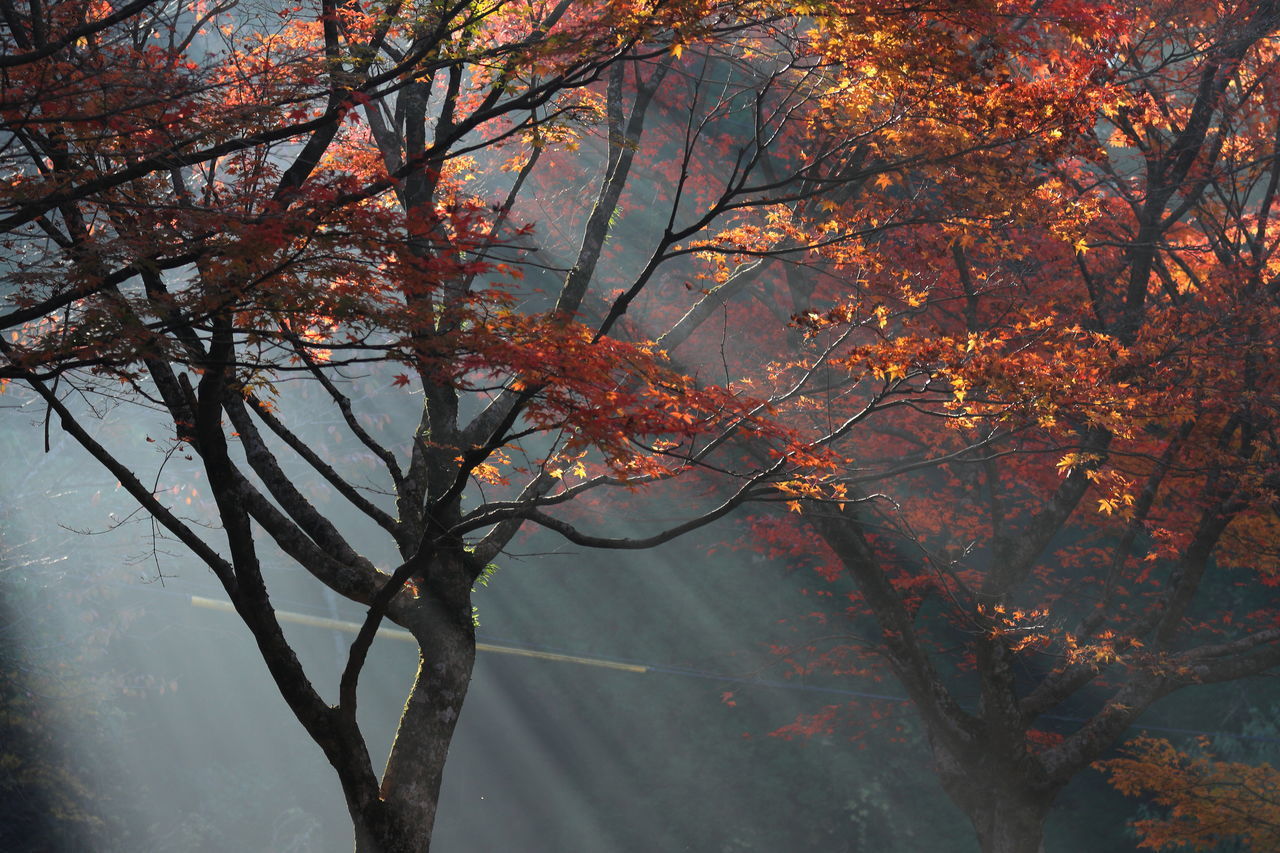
(163, 711)
(621, 701)
(165, 714)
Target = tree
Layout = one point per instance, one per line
(1209, 800)
(193, 220)
(1067, 408)
(202, 201)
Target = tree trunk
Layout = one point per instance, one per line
(1006, 800)
(402, 819)
(1007, 813)
(1010, 825)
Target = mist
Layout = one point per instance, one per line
(810, 295)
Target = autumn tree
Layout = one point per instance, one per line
(1061, 370)
(1208, 800)
(371, 200)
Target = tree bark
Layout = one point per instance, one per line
(1007, 814)
(404, 816)
(1010, 827)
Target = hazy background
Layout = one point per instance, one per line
(135, 721)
